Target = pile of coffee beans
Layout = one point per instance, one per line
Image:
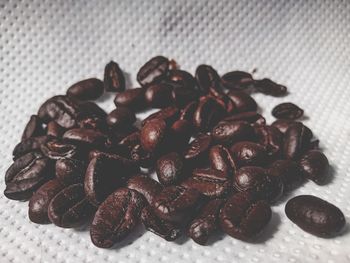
(219, 165)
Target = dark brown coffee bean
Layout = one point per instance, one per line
(271, 138)
(237, 80)
(268, 87)
(57, 150)
(181, 96)
(70, 208)
(170, 169)
(315, 216)
(230, 132)
(296, 140)
(243, 218)
(287, 111)
(116, 217)
(29, 145)
(206, 77)
(142, 158)
(88, 89)
(90, 109)
(115, 135)
(85, 137)
(288, 171)
(198, 149)
(113, 78)
(258, 182)
(158, 95)
(188, 112)
(130, 141)
(34, 128)
(315, 166)
(153, 134)
(175, 203)
(54, 130)
(70, 171)
(26, 175)
(282, 125)
(242, 101)
(206, 222)
(153, 70)
(182, 78)
(146, 186)
(120, 117)
(132, 98)
(158, 226)
(221, 159)
(209, 182)
(314, 145)
(39, 202)
(180, 133)
(249, 116)
(249, 153)
(169, 115)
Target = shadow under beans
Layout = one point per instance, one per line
(136, 233)
(215, 237)
(182, 239)
(269, 230)
(85, 227)
(128, 81)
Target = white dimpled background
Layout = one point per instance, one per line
(45, 46)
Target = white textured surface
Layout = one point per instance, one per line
(47, 45)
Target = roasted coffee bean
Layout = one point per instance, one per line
(142, 158)
(198, 149)
(54, 130)
(288, 171)
(188, 112)
(249, 153)
(146, 186)
(70, 171)
(169, 115)
(180, 133)
(115, 135)
(116, 217)
(209, 182)
(271, 138)
(26, 175)
(287, 111)
(158, 95)
(175, 203)
(242, 101)
(220, 159)
(39, 202)
(120, 117)
(87, 137)
(131, 140)
(94, 123)
(132, 98)
(183, 78)
(158, 226)
(170, 169)
(243, 217)
(315, 216)
(153, 135)
(113, 78)
(56, 149)
(88, 89)
(282, 125)
(29, 145)
(249, 116)
(181, 96)
(90, 109)
(296, 140)
(268, 87)
(315, 166)
(258, 182)
(206, 222)
(237, 80)
(34, 128)
(206, 77)
(153, 70)
(314, 145)
(234, 131)
(70, 208)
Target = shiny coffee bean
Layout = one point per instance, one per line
(114, 79)
(34, 128)
(29, 145)
(236, 80)
(315, 166)
(169, 115)
(249, 153)
(315, 216)
(116, 217)
(206, 222)
(243, 217)
(180, 133)
(220, 159)
(141, 157)
(188, 111)
(153, 135)
(158, 95)
(287, 111)
(206, 77)
(182, 78)
(231, 132)
(70, 171)
(282, 124)
(88, 89)
(153, 70)
(120, 117)
(269, 87)
(198, 149)
(86, 137)
(170, 169)
(288, 171)
(54, 130)
(271, 138)
(242, 101)
(39, 202)
(56, 149)
(146, 186)
(70, 208)
(133, 99)
(250, 116)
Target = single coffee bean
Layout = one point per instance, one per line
(133, 99)
(206, 222)
(236, 80)
(88, 89)
(282, 124)
(221, 159)
(34, 128)
(258, 182)
(288, 171)
(315, 216)
(243, 217)
(209, 182)
(287, 111)
(296, 140)
(249, 153)
(169, 115)
(206, 77)
(175, 203)
(113, 78)
(158, 226)
(158, 95)
(315, 166)
(39, 202)
(242, 101)
(170, 169)
(188, 112)
(54, 130)
(250, 116)
(56, 149)
(26, 175)
(130, 141)
(142, 158)
(86, 137)
(70, 171)
(183, 78)
(29, 145)
(230, 132)
(116, 217)
(198, 149)
(153, 70)
(271, 138)
(153, 134)
(120, 117)
(70, 208)
(146, 186)
(268, 87)
(180, 134)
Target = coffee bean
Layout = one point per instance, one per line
(206, 77)
(158, 226)
(180, 133)
(142, 158)
(153, 134)
(90, 109)
(130, 141)
(237, 80)
(153, 70)
(287, 111)
(132, 98)
(243, 217)
(230, 132)
(29, 145)
(170, 169)
(249, 116)
(249, 153)
(271, 138)
(54, 130)
(70, 208)
(314, 145)
(206, 222)
(169, 115)
(34, 128)
(188, 112)
(158, 95)
(116, 217)
(120, 117)
(242, 101)
(315, 216)
(288, 171)
(113, 78)
(221, 159)
(70, 171)
(315, 166)
(39, 202)
(183, 78)
(181, 96)
(198, 149)
(56, 149)
(86, 137)
(268, 87)
(88, 89)
(146, 186)
(282, 124)
(209, 182)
